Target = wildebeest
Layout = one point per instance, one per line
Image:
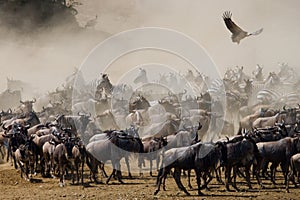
(77, 124)
(152, 150)
(240, 152)
(263, 122)
(114, 149)
(277, 152)
(295, 170)
(24, 156)
(79, 153)
(63, 158)
(48, 152)
(184, 158)
(26, 106)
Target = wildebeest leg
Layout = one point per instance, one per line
(1, 151)
(15, 162)
(235, 171)
(9, 152)
(206, 181)
(189, 179)
(285, 170)
(62, 168)
(177, 173)
(273, 168)
(108, 179)
(264, 171)
(157, 162)
(82, 169)
(140, 162)
(247, 172)
(119, 176)
(77, 170)
(160, 177)
(150, 167)
(198, 175)
(101, 166)
(227, 177)
(21, 168)
(128, 166)
(292, 178)
(218, 175)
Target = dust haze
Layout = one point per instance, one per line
(46, 57)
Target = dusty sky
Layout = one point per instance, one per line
(46, 62)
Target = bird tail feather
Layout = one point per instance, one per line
(257, 32)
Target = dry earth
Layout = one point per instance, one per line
(13, 187)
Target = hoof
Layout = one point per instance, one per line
(62, 184)
(156, 192)
(200, 194)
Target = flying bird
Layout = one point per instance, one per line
(237, 33)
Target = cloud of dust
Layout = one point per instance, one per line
(47, 57)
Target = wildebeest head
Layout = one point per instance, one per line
(27, 105)
(139, 103)
(69, 144)
(85, 119)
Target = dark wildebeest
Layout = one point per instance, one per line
(239, 152)
(277, 152)
(39, 142)
(26, 106)
(24, 158)
(77, 124)
(140, 103)
(184, 158)
(63, 158)
(295, 170)
(78, 153)
(113, 149)
(17, 134)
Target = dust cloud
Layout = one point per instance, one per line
(44, 58)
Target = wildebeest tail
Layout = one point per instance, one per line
(89, 160)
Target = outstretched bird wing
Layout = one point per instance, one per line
(234, 29)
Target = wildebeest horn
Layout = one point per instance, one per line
(33, 101)
(169, 93)
(299, 105)
(283, 107)
(21, 102)
(227, 138)
(199, 126)
(4, 128)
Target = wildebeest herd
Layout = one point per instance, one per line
(56, 135)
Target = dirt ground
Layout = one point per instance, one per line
(13, 187)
